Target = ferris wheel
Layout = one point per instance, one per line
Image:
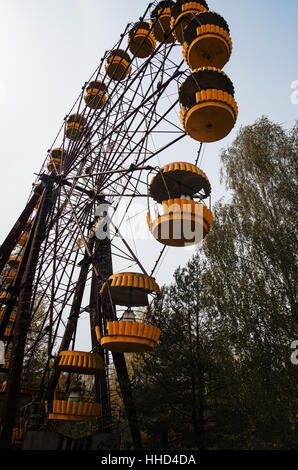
(162, 82)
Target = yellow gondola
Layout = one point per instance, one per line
(141, 40)
(130, 337)
(130, 289)
(161, 21)
(67, 410)
(184, 221)
(207, 41)
(96, 95)
(76, 124)
(182, 13)
(179, 178)
(56, 161)
(209, 110)
(117, 66)
(80, 362)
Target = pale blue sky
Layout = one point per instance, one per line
(49, 48)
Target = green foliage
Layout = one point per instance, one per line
(221, 375)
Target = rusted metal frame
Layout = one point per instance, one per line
(101, 386)
(81, 145)
(123, 378)
(43, 278)
(67, 289)
(65, 299)
(68, 202)
(155, 153)
(84, 158)
(66, 252)
(150, 130)
(53, 379)
(49, 252)
(126, 392)
(41, 273)
(12, 238)
(64, 303)
(79, 99)
(93, 163)
(125, 212)
(97, 71)
(32, 305)
(152, 80)
(124, 195)
(143, 146)
(124, 253)
(134, 191)
(104, 267)
(89, 193)
(5, 320)
(106, 153)
(15, 288)
(38, 268)
(161, 63)
(158, 120)
(17, 284)
(53, 285)
(72, 110)
(74, 144)
(153, 127)
(38, 282)
(72, 321)
(158, 259)
(110, 162)
(73, 187)
(106, 312)
(128, 85)
(156, 117)
(133, 117)
(131, 169)
(104, 126)
(164, 147)
(23, 324)
(124, 188)
(77, 149)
